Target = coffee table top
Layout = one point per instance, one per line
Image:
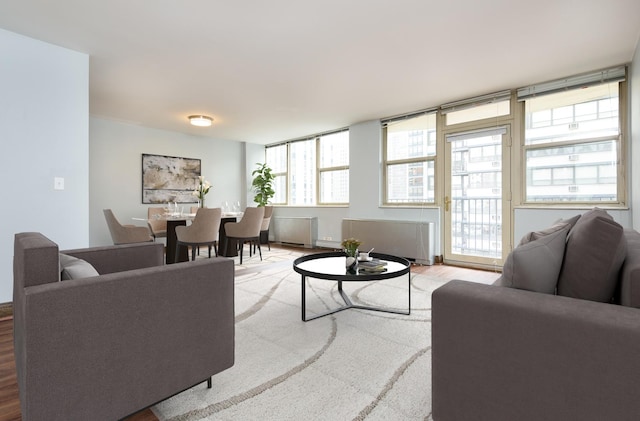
(331, 266)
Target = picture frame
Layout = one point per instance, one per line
(169, 179)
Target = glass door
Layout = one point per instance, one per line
(475, 205)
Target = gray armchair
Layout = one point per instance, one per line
(125, 234)
(106, 346)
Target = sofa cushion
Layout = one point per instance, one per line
(534, 265)
(595, 251)
(74, 268)
(571, 221)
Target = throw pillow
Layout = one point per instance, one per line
(571, 221)
(74, 268)
(595, 251)
(534, 265)
(536, 235)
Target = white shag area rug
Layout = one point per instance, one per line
(352, 365)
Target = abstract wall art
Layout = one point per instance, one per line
(168, 179)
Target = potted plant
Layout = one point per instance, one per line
(263, 184)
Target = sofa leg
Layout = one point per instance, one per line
(209, 383)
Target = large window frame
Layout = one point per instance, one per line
(576, 166)
(418, 162)
(461, 113)
(280, 171)
(334, 167)
(319, 170)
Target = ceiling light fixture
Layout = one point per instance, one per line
(200, 120)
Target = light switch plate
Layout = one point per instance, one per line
(58, 183)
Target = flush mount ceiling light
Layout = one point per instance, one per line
(200, 120)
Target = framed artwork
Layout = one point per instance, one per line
(169, 179)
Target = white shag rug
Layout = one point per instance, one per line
(352, 365)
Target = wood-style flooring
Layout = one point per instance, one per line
(10, 403)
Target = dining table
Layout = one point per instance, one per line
(226, 247)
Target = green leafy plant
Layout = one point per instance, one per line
(263, 184)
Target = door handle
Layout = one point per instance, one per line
(447, 201)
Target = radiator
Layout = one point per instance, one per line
(411, 240)
(299, 231)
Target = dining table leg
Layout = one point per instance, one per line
(172, 240)
(226, 246)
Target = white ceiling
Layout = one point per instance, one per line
(268, 71)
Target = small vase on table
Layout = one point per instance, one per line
(351, 262)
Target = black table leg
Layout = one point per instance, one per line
(183, 255)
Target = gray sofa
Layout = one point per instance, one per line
(103, 347)
(509, 352)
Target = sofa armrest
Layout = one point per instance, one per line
(110, 259)
(630, 271)
(506, 354)
(107, 346)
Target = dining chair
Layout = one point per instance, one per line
(247, 230)
(194, 210)
(125, 234)
(203, 231)
(264, 229)
(157, 224)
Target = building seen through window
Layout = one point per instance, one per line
(410, 152)
(311, 171)
(571, 145)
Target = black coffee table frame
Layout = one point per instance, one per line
(352, 277)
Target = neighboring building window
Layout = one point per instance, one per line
(409, 159)
(572, 145)
(277, 161)
(311, 171)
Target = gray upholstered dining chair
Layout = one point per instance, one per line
(266, 221)
(247, 230)
(203, 231)
(125, 234)
(157, 224)
(264, 229)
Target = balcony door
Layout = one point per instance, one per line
(477, 197)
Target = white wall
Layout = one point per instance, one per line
(634, 113)
(44, 108)
(254, 154)
(116, 170)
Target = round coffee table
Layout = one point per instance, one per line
(331, 266)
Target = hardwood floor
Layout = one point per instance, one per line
(10, 403)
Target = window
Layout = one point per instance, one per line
(333, 168)
(311, 171)
(302, 156)
(571, 145)
(409, 159)
(277, 161)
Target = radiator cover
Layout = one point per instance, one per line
(299, 231)
(409, 239)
